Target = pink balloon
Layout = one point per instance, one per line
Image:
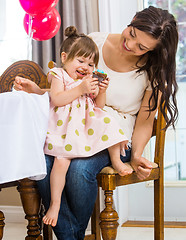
(44, 26)
(34, 7)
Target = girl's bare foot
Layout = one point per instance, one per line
(51, 216)
(122, 168)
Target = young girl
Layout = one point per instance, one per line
(78, 127)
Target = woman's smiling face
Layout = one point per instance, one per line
(135, 42)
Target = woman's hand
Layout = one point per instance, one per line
(141, 166)
(103, 85)
(26, 85)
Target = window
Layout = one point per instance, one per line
(13, 38)
(175, 148)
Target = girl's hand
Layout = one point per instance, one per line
(103, 85)
(89, 85)
(23, 84)
(141, 166)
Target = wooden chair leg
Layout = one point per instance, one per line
(47, 232)
(159, 209)
(109, 218)
(46, 229)
(31, 204)
(1, 224)
(95, 219)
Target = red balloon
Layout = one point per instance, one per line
(44, 26)
(34, 7)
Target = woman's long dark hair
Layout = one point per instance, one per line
(161, 62)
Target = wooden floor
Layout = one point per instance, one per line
(150, 224)
(18, 232)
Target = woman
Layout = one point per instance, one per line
(140, 63)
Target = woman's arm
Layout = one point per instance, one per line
(141, 135)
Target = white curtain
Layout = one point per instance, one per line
(115, 15)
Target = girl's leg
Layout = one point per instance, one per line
(57, 182)
(122, 168)
(78, 196)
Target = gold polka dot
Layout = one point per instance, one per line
(53, 73)
(86, 106)
(121, 131)
(77, 133)
(104, 138)
(87, 148)
(91, 114)
(69, 118)
(55, 109)
(78, 105)
(63, 136)
(106, 120)
(48, 133)
(90, 131)
(70, 109)
(59, 122)
(50, 146)
(68, 147)
(83, 121)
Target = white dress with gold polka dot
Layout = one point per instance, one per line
(80, 129)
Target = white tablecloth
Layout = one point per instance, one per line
(23, 127)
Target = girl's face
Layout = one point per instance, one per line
(78, 67)
(136, 43)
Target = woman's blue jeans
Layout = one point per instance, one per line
(79, 194)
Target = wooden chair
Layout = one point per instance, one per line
(109, 179)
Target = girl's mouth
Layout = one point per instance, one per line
(81, 73)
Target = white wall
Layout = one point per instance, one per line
(175, 192)
(141, 199)
(2, 19)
